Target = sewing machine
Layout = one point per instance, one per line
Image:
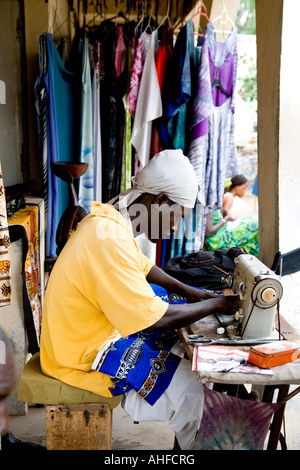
(260, 290)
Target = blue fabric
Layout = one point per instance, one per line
(143, 362)
(169, 297)
(255, 186)
(164, 245)
(160, 292)
(86, 182)
(60, 86)
(138, 362)
(186, 239)
(179, 91)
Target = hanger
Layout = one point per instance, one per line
(67, 20)
(166, 17)
(98, 12)
(58, 27)
(201, 13)
(217, 84)
(149, 22)
(224, 19)
(120, 18)
(141, 20)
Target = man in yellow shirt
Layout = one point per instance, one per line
(99, 296)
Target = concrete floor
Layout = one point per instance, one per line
(126, 435)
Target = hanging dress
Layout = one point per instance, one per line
(86, 181)
(177, 99)
(137, 70)
(40, 93)
(149, 105)
(108, 109)
(126, 171)
(61, 121)
(162, 63)
(212, 149)
(95, 64)
(140, 54)
(177, 95)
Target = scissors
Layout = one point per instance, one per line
(201, 340)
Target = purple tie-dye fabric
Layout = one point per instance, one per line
(215, 55)
(229, 423)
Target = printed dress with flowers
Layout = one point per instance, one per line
(242, 233)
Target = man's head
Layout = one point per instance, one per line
(8, 378)
(156, 216)
(164, 191)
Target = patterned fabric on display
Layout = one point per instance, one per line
(229, 423)
(138, 362)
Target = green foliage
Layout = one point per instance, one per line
(246, 24)
(246, 18)
(248, 83)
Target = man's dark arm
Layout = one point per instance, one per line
(159, 277)
(180, 315)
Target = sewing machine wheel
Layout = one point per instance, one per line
(266, 293)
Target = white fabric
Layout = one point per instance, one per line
(102, 351)
(149, 105)
(147, 247)
(97, 137)
(181, 405)
(170, 172)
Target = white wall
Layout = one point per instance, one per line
(289, 156)
(289, 130)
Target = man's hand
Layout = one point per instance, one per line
(196, 295)
(192, 294)
(178, 316)
(229, 304)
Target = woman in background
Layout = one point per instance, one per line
(234, 187)
(223, 231)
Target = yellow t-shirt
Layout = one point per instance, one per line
(96, 290)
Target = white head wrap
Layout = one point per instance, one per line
(170, 172)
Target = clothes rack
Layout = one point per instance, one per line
(115, 82)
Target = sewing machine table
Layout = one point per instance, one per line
(284, 375)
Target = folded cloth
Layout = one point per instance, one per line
(140, 362)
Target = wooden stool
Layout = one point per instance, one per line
(76, 419)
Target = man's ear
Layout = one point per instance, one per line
(161, 198)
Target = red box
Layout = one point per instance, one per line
(274, 354)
